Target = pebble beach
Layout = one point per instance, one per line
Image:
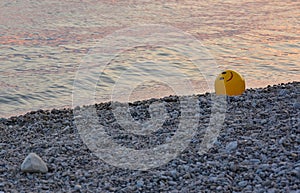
(257, 149)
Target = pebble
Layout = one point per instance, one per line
(231, 146)
(77, 187)
(172, 183)
(254, 161)
(33, 163)
(296, 172)
(2, 152)
(296, 105)
(173, 173)
(282, 92)
(140, 183)
(243, 183)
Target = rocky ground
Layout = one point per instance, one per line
(257, 149)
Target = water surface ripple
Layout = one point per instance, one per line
(42, 43)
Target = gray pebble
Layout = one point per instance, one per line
(3, 152)
(296, 105)
(296, 172)
(174, 173)
(77, 187)
(231, 146)
(243, 183)
(172, 183)
(139, 183)
(282, 92)
(33, 163)
(254, 161)
(265, 166)
(271, 190)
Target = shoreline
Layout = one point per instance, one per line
(21, 113)
(257, 148)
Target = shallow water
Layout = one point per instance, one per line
(46, 45)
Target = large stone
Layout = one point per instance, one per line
(33, 163)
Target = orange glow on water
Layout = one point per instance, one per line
(43, 43)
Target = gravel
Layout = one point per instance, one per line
(257, 150)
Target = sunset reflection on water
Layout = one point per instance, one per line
(44, 42)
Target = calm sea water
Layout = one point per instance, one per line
(46, 45)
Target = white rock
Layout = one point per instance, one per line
(33, 163)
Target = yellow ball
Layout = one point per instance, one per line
(230, 83)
